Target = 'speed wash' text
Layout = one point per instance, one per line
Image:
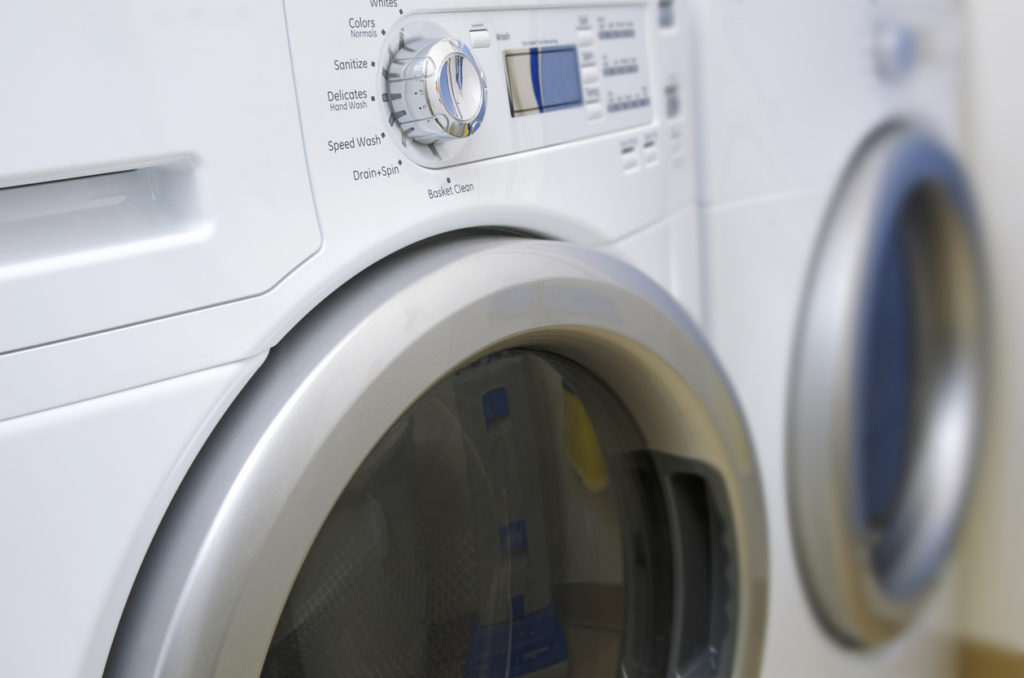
(348, 144)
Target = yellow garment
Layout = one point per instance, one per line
(582, 449)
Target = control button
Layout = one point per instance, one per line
(650, 151)
(479, 37)
(673, 102)
(590, 74)
(595, 111)
(665, 15)
(895, 50)
(677, 145)
(585, 37)
(630, 155)
(436, 90)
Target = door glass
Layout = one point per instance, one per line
(887, 392)
(483, 536)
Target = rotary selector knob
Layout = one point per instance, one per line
(895, 50)
(436, 90)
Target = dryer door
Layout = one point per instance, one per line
(887, 389)
(488, 458)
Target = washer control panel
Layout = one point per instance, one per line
(418, 118)
(457, 87)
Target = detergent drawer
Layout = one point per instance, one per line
(152, 163)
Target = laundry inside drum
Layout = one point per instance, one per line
(483, 536)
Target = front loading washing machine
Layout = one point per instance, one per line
(339, 340)
(846, 297)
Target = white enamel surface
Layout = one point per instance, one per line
(790, 88)
(84, 488)
(664, 252)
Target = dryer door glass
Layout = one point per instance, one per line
(888, 387)
(918, 385)
(508, 525)
(887, 391)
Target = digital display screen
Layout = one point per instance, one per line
(543, 79)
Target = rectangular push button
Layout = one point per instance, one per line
(479, 37)
(585, 37)
(590, 74)
(673, 102)
(630, 155)
(650, 151)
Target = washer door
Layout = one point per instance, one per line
(887, 387)
(488, 458)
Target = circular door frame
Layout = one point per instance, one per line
(837, 549)
(212, 586)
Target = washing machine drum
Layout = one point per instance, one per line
(888, 387)
(541, 473)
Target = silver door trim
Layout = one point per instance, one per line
(862, 602)
(216, 578)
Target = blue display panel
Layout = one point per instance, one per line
(543, 79)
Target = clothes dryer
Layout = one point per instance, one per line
(341, 339)
(846, 297)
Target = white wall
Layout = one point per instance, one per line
(993, 593)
